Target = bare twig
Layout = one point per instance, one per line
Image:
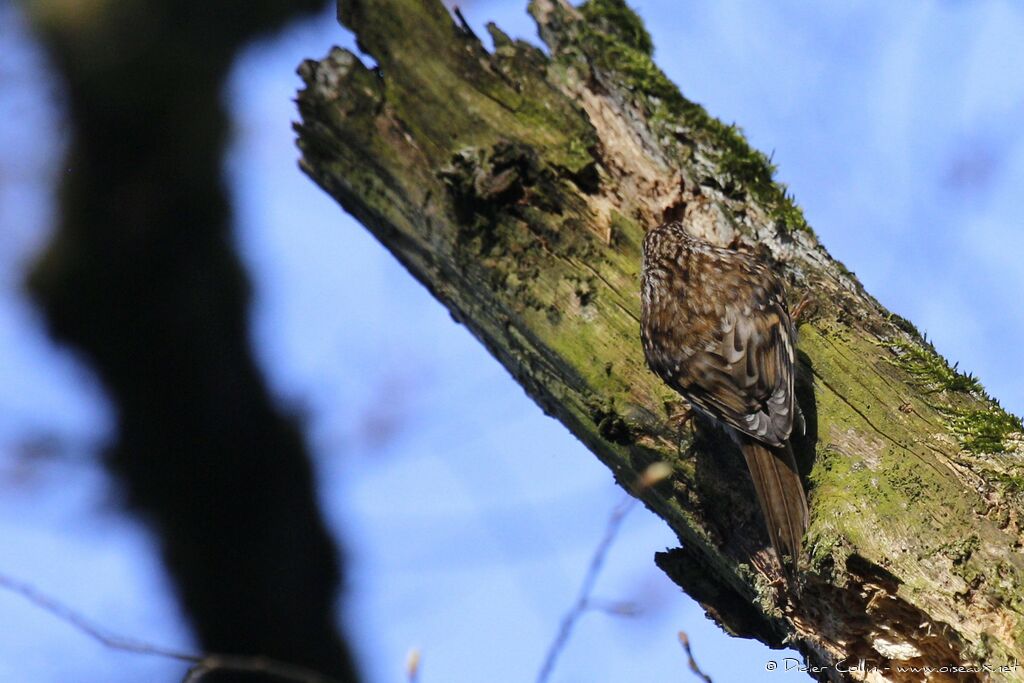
(684, 640)
(201, 664)
(596, 562)
(94, 631)
(651, 476)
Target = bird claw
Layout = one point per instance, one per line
(679, 419)
(800, 307)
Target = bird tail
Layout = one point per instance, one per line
(781, 494)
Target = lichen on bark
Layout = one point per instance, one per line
(517, 186)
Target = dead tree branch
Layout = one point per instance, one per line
(517, 185)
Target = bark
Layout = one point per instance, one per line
(517, 185)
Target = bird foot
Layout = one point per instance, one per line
(679, 418)
(800, 308)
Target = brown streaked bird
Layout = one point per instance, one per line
(716, 329)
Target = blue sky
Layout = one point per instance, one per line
(896, 126)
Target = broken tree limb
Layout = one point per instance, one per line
(517, 186)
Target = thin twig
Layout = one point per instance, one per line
(582, 600)
(684, 640)
(202, 664)
(89, 628)
(655, 473)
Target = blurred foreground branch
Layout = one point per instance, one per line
(142, 280)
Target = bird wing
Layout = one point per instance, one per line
(744, 374)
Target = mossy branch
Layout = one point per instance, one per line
(517, 187)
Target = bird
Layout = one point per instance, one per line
(716, 329)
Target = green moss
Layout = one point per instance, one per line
(960, 551)
(827, 548)
(908, 480)
(926, 366)
(984, 430)
(978, 429)
(624, 51)
(614, 16)
(905, 325)
(1011, 482)
(640, 72)
(620, 226)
